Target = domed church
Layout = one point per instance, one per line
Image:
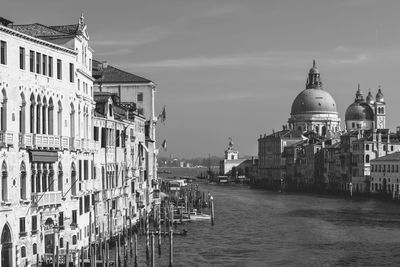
(366, 114)
(314, 109)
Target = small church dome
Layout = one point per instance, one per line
(379, 96)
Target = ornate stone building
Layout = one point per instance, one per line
(69, 165)
(314, 109)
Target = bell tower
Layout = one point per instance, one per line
(230, 153)
(380, 110)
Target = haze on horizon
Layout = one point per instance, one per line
(232, 68)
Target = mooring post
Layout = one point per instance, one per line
(67, 255)
(82, 258)
(212, 210)
(56, 259)
(171, 248)
(152, 251)
(147, 238)
(135, 249)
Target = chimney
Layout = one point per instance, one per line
(104, 64)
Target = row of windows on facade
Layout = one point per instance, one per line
(384, 168)
(357, 147)
(381, 187)
(42, 119)
(42, 64)
(42, 178)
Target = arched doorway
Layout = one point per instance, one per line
(49, 236)
(6, 247)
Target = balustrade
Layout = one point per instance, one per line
(47, 198)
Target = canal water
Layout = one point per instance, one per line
(264, 228)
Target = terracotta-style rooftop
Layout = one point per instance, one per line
(104, 73)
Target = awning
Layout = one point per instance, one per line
(43, 156)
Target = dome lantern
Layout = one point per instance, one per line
(314, 79)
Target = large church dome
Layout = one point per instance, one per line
(313, 101)
(314, 109)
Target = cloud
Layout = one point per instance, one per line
(221, 11)
(122, 51)
(360, 58)
(221, 61)
(143, 37)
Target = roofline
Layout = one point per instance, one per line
(37, 40)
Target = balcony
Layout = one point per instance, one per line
(6, 139)
(25, 140)
(64, 142)
(48, 141)
(47, 198)
(75, 143)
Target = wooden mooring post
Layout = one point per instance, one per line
(135, 254)
(212, 210)
(153, 263)
(171, 248)
(67, 255)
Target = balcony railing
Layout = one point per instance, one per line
(26, 140)
(75, 143)
(47, 198)
(6, 138)
(44, 140)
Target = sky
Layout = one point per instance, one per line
(232, 68)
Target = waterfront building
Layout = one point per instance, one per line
(271, 163)
(232, 165)
(45, 132)
(385, 175)
(74, 165)
(118, 133)
(314, 109)
(131, 88)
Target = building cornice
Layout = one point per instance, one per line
(37, 40)
(85, 74)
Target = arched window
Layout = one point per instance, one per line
(102, 178)
(323, 130)
(367, 158)
(72, 121)
(4, 111)
(61, 242)
(79, 121)
(23, 180)
(317, 129)
(51, 177)
(44, 177)
(38, 115)
(59, 119)
(38, 177)
(74, 240)
(32, 114)
(51, 117)
(60, 177)
(22, 114)
(73, 179)
(4, 177)
(23, 252)
(34, 249)
(44, 116)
